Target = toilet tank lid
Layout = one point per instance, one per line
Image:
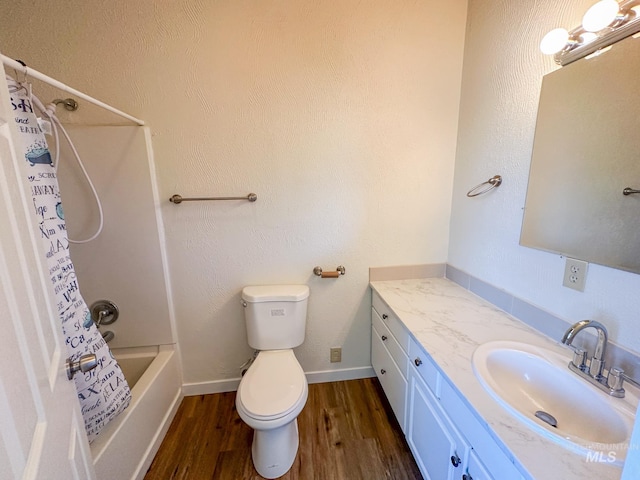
(275, 293)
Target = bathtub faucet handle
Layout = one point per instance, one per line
(104, 312)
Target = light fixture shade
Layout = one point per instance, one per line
(600, 15)
(554, 41)
(587, 37)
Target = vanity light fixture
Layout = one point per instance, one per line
(605, 23)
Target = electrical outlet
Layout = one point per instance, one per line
(336, 354)
(575, 274)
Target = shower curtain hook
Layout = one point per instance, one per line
(24, 72)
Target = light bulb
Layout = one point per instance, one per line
(588, 37)
(554, 41)
(600, 15)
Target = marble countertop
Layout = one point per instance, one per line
(450, 323)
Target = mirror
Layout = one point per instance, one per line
(586, 152)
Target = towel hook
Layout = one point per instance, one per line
(490, 184)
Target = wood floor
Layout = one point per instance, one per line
(347, 431)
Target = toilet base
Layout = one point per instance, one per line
(273, 451)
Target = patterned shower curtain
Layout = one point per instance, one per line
(103, 392)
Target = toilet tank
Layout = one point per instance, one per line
(276, 315)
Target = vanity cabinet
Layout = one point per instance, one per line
(446, 438)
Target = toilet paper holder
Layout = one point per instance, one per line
(339, 271)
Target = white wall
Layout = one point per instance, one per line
(503, 70)
(340, 115)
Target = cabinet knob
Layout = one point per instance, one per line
(382, 371)
(383, 337)
(417, 361)
(455, 460)
(385, 316)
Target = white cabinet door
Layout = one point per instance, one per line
(476, 470)
(437, 447)
(41, 430)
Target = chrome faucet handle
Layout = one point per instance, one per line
(616, 379)
(580, 358)
(102, 314)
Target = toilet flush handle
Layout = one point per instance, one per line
(243, 303)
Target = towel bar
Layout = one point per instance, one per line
(178, 199)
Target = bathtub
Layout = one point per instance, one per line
(125, 448)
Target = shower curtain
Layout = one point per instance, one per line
(103, 392)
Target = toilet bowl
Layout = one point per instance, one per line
(271, 394)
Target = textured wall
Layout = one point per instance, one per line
(340, 115)
(503, 70)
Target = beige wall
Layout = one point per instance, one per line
(503, 70)
(340, 115)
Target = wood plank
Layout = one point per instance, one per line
(347, 431)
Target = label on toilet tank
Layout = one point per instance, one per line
(277, 312)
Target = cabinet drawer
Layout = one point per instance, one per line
(424, 366)
(391, 379)
(391, 321)
(394, 348)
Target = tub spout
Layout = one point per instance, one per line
(108, 336)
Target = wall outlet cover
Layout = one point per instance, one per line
(336, 354)
(575, 274)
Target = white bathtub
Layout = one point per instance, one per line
(126, 447)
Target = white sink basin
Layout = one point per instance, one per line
(525, 379)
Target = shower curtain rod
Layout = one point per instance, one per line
(30, 72)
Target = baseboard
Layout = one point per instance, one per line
(150, 454)
(221, 386)
(340, 375)
(205, 388)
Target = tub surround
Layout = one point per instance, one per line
(450, 322)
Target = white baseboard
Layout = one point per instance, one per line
(231, 385)
(340, 375)
(205, 388)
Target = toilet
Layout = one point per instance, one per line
(274, 389)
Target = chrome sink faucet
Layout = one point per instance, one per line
(596, 366)
(595, 373)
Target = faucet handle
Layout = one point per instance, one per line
(615, 379)
(580, 358)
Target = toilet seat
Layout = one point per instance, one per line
(273, 386)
